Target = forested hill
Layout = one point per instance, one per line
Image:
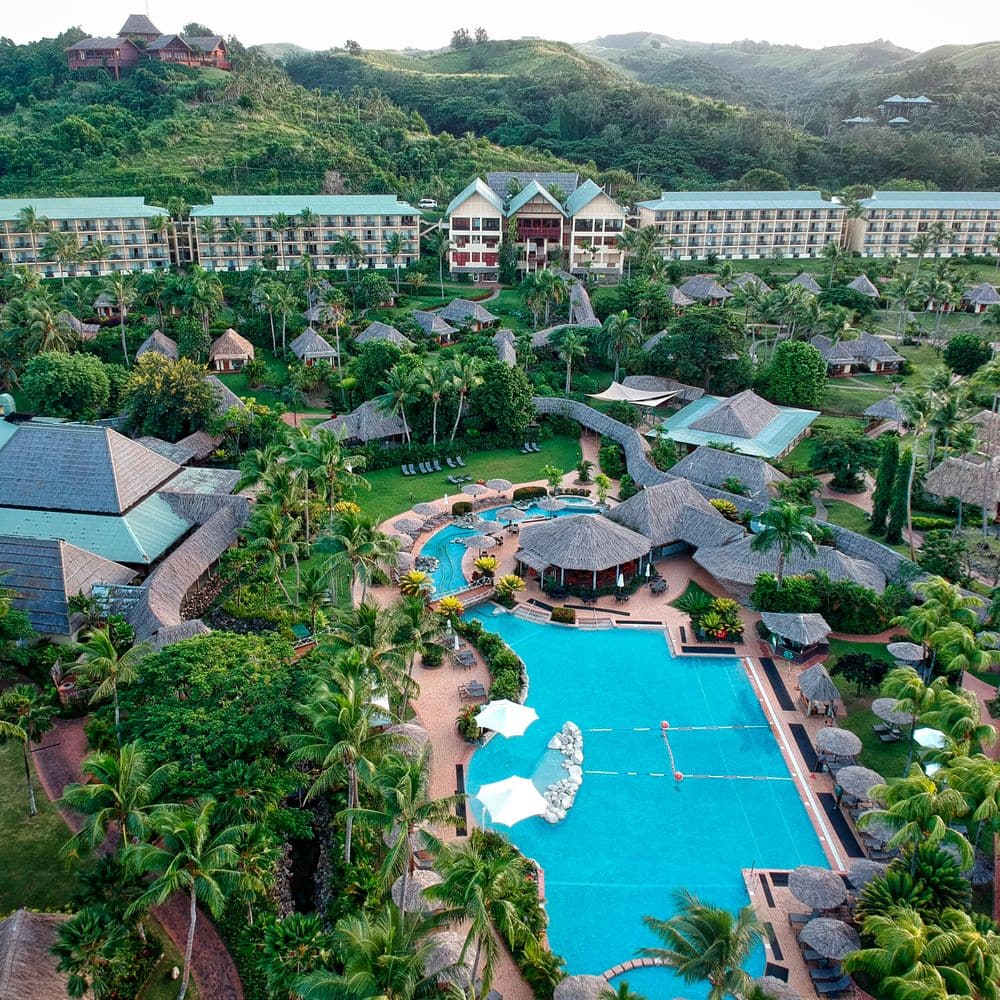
(170, 132)
(553, 97)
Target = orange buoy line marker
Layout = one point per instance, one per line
(664, 727)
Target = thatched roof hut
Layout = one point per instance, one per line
(744, 415)
(382, 331)
(580, 988)
(746, 278)
(971, 478)
(802, 629)
(365, 423)
(705, 288)
(444, 962)
(310, 347)
(229, 351)
(817, 686)
(862, 284)
(806, 281)
(712, 467)
(27, 965)
(886, 409)
(158, 343)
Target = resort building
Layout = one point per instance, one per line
(230, 352)
(468, 315)
(158, 343)
(382, 331)
(140, 39)
(434, 325)
(703, 288)
(980, 298)
(364, 424)
(958, 222)
(309, 347)
(866, 353)
(113, 234)
(742, 224)
(552, 218)
(336, 232)
(898, 106)
(712, 467)
(752, 425)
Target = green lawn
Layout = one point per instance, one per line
(800, 458)
(392, 492)
(160, 986)
(889, 759)
(847, 515)
(848, 400)
(34, 875)
(277, 370)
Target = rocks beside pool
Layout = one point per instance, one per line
(427, 564)
(561, 794)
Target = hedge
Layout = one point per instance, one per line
(504, 665)
(564, 616)
(529, 492)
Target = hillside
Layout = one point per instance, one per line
(167, 131)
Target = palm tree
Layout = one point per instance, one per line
(64, 248)
(920, 246)
(466, 374)
(418, 630)
(47, 327)
(618, 337)
(121, 789)
(30, 222)
(236, 232)
(99, 251)
(978, 779)
(337, 468)
(358, 548)
(439, 245)
(959, 648)
(704, 943)
(400, 391)
(393, 247)
(341, 738)
(26, 716)
(373, 634)
(478, 887)
(785, 526)
(206, 233)
(958, 715)
(91, 949)
(416, 281)
(916, 406)
(187, 856)
(335, 309)
(152, 286)
(280, 222)
(101, 664)
(912, 694)
(255, 465)
(572, 347)
(271, 534)
(833, 253)
(294, 946)
(434, 382)
(121, 288)
(382, 954)
(202, 294)
(403, 787)
(905, 291)
(553, 289)
(284, 301)
(348, 247)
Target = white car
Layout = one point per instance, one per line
(427, 203)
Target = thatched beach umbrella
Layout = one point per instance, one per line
(480, 525)
(775, 987)
(415, 901)
(500, 485)
(885, 709)
(510, 514)
(551, 504)
(831, 938)
(858, 781)
(411, 738)
(874, 826)
(405, 561)
(474, 489)
(477, 541)
(906, 652)
(426, 509)
(838, 742)
(580, 988)
(863, 871)
(409, 525)
(444, 963)
(817, 887)
(817, 685)
(420, 840)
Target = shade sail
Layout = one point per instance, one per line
(512, 800)
(506, 717)
(618, 392)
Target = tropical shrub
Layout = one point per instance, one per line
(506, 684)
(862, 669)
(415, 583)
(893, 888)
(564, 616)
(726, 508)
(611, 458)
(924, 523)
(528, 492)
(627, 487)
(506, 587)
(486, 565)
(432, 656)
(451, 608)
(466, 724)
(461, 507)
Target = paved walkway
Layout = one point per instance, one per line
(211, 964)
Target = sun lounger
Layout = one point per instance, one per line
(881, 727)
(821, 975)
(450, 463)
(474, 689)
(809, 955)
(837, 986)
(889, 737)
(404, 470)
(458, 459)
(525, 449)
(799, 918)
(536, 447)
(413, 469)
(425, 468)
(437, 466)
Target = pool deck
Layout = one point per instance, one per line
(439, 703)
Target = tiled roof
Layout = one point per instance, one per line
(230, 345)
(309, 344)
(102, 44)
(292, 204)
(45, 572)
(476, 187)
(58, 209)
(710, 200)
(78, 467)
(164, 40)
(382, 331)
(207, 43)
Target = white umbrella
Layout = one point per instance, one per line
(511, 800)
(649, 570)
(932, 739)
(500, 485)
(621, 580)
(507, 718)
(510, 514)
(474, 489)
(885, 708)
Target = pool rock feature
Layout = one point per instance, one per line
(561, 794)
(427, 564)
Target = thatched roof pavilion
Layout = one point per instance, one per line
(863, 285)
(971, 478)
(581, 987)
(796, 637)
(27, 965)
(886, 409)
(583, 550)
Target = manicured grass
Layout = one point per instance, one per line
(392, 492)
(889, 759)
(847, 515)
(849, 400)
(160, 986)
(34, 874)
(277, 371)
(801, 457)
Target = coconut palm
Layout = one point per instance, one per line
(438, 244)
(201, 293)
(466, 374)
(63, 248)
(255, 465)
(284, 301)
(906, 292)
(958, 715)
(572, 347)
(478, 886)
(960, 649)
(187, 856)
(271, 535)
(47, 327)
(434, 381)
(784, 526)
(401, 389)
(358, 548)
(30, 222)
(335, 313)
(553, 289)
(978, 779)
(917, 406)
(25, 716)
(280, 222)
(121, 789)
(91, 950)
(920, 811)
(152, 287)
(100, 663)
(705, 943)
(372, 633)
(912, 694)
(341, 739)
(347, 247)
(292, 947)
(236, 232)
(392, 246)
(833, 253)
(121, 287)
(337, 468)
(418, 630)
(618, 337)
(382, 955)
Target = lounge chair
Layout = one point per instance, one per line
(881, 727)
(837, 986)
(821, 975)
(525, 449)
(536, 446)
(799, 918)
(458, 460)
(425, 468)
(437, 466)
(403, 469)
(450, 463)
(809, 955)
(890, 737)
(474, 689)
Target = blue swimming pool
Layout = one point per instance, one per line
(635, 834)
(441, 545)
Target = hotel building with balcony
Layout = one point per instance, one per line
(114, 234)
(552, 217)
(312, 226)
(745, 225)
(969, 219)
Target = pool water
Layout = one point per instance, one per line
(631, 838)
(448, 577)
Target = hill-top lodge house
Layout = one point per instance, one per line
(140, 39)
(578, 232)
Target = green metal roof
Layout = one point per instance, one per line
(138, 538)
(58, 209)
(292, 204)
(532, 190)
(934, 199)
(582, 196)
(717, 200)
(481, 188)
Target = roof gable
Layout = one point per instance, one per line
(806, 281)
(583, 196)
(158, 343)
(499, 180)
(530, 191)
(744, 415)
(475, 187)
(712, 467)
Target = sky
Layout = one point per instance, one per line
(916, 24)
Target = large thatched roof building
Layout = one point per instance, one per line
(971, 478)
(366, 423)
(27, 965)
(582, 550)
(712, 467)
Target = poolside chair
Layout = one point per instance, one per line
(450, 463)
(809, 955)
(413, 469)
(458, 460)
(821, 975)
(402, 469)
(524, 448)
(425, 468)
(535, 446)
(437, 466)
(837, 986)
(799, 918)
